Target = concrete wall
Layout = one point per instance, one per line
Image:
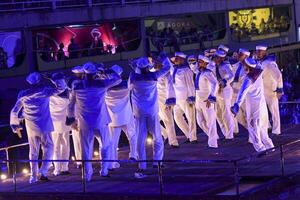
(26, 19)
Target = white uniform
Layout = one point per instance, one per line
(272, 78)
(60, 136)
(88, 96)
(75, 133)
(166, 97)
(239, 75)
(224, 96)
(118, 104)
(145, 110)
(206, 86)
(35, 104)
(252, 92)
(185, 97)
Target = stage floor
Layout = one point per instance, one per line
(179, 179)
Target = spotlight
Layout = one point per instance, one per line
(3, 176)
(96, 153)
(73, 158)
(25, 171)
(149, 140)
(118, 149)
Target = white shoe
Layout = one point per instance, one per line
(104, 173)
(56, 173)
(33, 179)
(139, 174)
(116, 165)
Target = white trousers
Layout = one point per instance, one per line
(273, 105)
(224, 115)
(87, 145)
(36, 140)
(145, 124)
(206, 119)
(77, 145)
(258, 127)
(188, 128)
(130, 131)
(61, 143)
(166, 115)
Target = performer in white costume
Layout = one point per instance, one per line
(239, 75)
(183, 84)
(61, 134)
(143, 84)
(88, 95)
(35, 104)
(118, 103)
(206, 86)
(224, 95)
(166, 102)
(273, 85)
(252, 92)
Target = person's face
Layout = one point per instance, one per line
(218, 60)
(179, 60)
(261, 54)
(242, 57)
(202, 64)
(79, 75)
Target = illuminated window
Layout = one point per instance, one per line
(260, 23)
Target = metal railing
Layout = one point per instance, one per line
(13, 6)
(233, 162)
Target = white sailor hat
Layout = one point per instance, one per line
(223, 47)
(180, 54)
(142, 62)
(220, 53)
(209, 52)
(244, 51)
(33, 78)
(89, 68)
(250, 62)
(118, 69)
(203, 58)
(261, 47)
(77, 69)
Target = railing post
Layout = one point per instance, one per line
(14, 176)
(7, 162)
(160, 180)
(83, 176)
(89, 3)
(53, 4)
(281, 160)
(236, 178)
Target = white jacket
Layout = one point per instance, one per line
(118, 104)
(166, 92)
(144, 90)
(58, 110)
(89, 98)
(206, 85)
(35, 105)
(183, 82)
(272, 77)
